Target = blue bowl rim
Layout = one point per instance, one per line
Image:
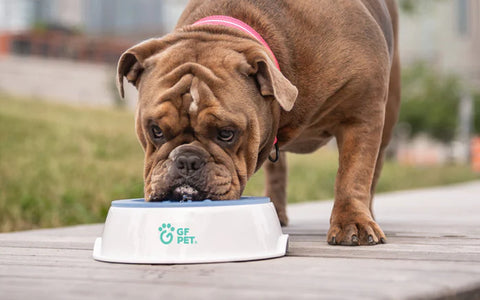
(141, 203)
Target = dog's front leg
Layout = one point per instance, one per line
(351, 222)
(276, 186)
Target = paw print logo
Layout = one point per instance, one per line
(166, 233)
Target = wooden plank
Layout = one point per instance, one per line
(287, 276)
(64, 233)
(315, 246)
(47, 245)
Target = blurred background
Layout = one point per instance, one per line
(67, 141)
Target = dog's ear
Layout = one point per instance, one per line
(131, 63)
(270, 80)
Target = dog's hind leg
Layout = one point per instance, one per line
(393, 101)
(391, 116)
(276, 186)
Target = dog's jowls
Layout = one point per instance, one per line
(211, 101)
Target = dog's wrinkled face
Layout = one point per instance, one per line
(206, 116)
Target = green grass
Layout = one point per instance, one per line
(62, 165)
(310, 177)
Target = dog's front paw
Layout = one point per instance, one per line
(355, 231)
(283, 218)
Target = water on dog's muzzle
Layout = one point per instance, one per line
(186, 192)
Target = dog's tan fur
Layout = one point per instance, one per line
(339, 78)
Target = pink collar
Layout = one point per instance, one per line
(235, 23)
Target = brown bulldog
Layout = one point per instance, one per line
(212, 100)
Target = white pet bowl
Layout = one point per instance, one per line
(190, 232)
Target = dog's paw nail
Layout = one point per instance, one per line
(354, 239)
(383, 241)
(332, 241)
(370, 240)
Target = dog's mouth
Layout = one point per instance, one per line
(185, 192)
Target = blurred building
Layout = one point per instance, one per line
(75, 33)
(89, 30)
(97, 17)
(446, 34)
(123, 17)
(22, 15)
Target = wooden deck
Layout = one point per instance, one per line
(433, 252)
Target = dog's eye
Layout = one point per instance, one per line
(157, 132)
(226, 135)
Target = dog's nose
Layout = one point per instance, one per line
(187, 164)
